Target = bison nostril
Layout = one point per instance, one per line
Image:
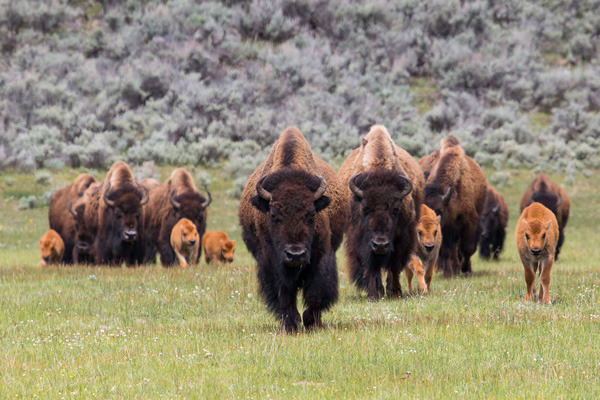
(429, 247)
(192, 242)
(295, 252)
(536, 252)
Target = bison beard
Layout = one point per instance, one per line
(381, 234)
(291, 253)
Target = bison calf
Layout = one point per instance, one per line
(537, 236)
(218, 247)
(185, 242)
(424, 262)
(52, 248)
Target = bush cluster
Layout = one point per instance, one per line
(182, 81)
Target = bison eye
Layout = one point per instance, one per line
(434, 234)
(527, 236)
(420, 233)
(184, 234)
(544, 236)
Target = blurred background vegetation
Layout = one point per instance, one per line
(176, 82)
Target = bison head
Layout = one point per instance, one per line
(535, 235)
(191, 205)
(437, 198)
(550, 200)
(83, 239)
(428, 231)
(488, 222)
(125, 209)
(227, 250)
(292, 199)
(378, 196)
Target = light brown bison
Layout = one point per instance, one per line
(551, 195)
(292, 214)
(456, 190)
(218, 247)
(384, 187)
(536, 236)
(52, 248)
(424, 262)
(59, 214)
(114, 216)
(170, 201)
(493, 225)
(185, 242)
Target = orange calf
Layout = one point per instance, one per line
(185, 242)
(424, 262)
(218, 247)
(536, 236)
(52, 248)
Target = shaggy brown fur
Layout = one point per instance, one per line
(149, 183)
(493, 225)
(390, 217)
(292, 229)
(536, 236)
(52, 248)
(218, 247)
(185, 242)
(456, 190)
(170, 201)
(424, 262)
(427, 163)
(61, 220)
(553, 197)
(84, 236)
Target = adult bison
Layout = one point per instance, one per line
(119, 224)
(551, 195)
(456, 190)
(293, 214)
(59, 214)
(384, 186)
(493, 225)
(170, 201)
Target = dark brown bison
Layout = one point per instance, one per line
(292, 214)
(384, 186)
(551, 195)
(456, 190)
(120, 222)
(493, 225)
(170, 201)
(59, 214)
(84, 236)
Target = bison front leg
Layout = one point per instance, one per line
(167, 255)
(545, 280)
(468, 244)
(320, 291)
(287, 310)
(529, 280)
(374, 285)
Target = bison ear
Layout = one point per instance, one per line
(364, 141)
(261, 204)
(322, 202)
(438, 219)
(548, 224)
(524, 223)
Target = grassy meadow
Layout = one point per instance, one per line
(150, 332)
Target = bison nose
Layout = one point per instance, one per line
(129, 236)
(294, 254)
(380, 245)
(192, 242)
(429, 247)
(536, 251)
(229, 260)
(46, 258)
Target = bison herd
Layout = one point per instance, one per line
(397, 215)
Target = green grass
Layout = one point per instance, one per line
(425, 94)
(85, 332)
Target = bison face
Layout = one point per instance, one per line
(438, 198)
(47, 249)
(535, 235)
(379, 197)
(190, 205)
(428, 231)
(228, 250)
(488, 222)
(125, 209)
(83, 239)
(292, 199)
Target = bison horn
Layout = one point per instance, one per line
(108, 202)
(172, 200)
(446, 196)
(207, 202)
(358, 192)
(407, 186)
(496, 209)
(70, 208)
(262, 192)
(322, 187)
(559, 200)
